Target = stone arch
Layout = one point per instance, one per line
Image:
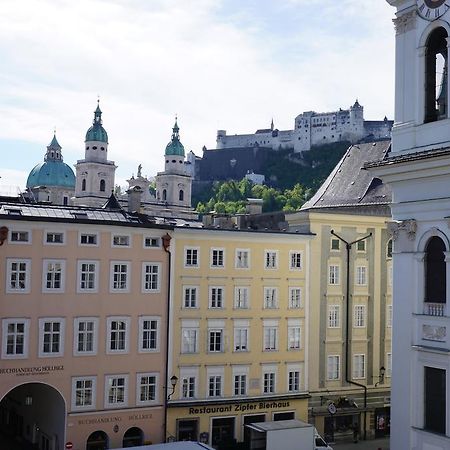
(97, 440)
(423, 241)
(133, 437)
(35, 413)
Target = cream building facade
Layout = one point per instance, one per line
(239, 341)
(83, 327)
(350, 308)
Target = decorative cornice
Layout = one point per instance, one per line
(409, 226)
(405, 23)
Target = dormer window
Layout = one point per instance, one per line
(436, 75)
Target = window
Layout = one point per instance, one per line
(83, 184)
(295, 261)
(54, 237)
(215, 386)
(333, 367)
(242, 259)
(269, 383)
(191, 257)
(83, 392)
(117, 338)
(295, 297)
(333, 274)
(240, 384)
(359, 366)
(388, 364)
(270, 297)
(189, 340)
(217, 257)
(435, 271)
(87, 276)
(116, 391)
(15, 338)
(294, 380)
(188, 387)
(335, 244)
(270, 338)
(120, 240)
(18, 276)
(181, 195)
(389, 249)
(334, 316)
(361, 275)
(359, 316)
(436, 77)
(20, 237)
(85, 336)
(89, 239)
(389, 316)
(53, 275)
(146, 388)
(435, 394)
(51, 337)
(190, 296)
(241, 297)
(240, 339)
(294, 337)
(148, 334)
(150, 241)
(361, 246)
(164, 194)
(216, 297)
(215, 341)
(150, 277)
(102, 185)
(119, 276)
(271, 259)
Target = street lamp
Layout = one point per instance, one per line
(173, 382)
(381, 376)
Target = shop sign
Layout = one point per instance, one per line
(238, 407)
(96, 420)
(25, 371)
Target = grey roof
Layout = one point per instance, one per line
(349, 184)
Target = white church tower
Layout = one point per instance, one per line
(174, 185)
(418, 170)
(94, 173)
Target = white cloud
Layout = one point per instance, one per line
(149, 60)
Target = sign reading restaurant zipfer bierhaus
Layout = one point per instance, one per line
(238, 407)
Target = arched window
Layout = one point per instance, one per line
(389, 249)
(435, 271)
(181, 195)
(102, 185)
(96, 440)
(164, 195)
(133, 437)
(83, 184)
(436, 75)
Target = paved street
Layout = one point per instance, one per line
(376, 444)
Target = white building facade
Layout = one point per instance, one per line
(418, 170)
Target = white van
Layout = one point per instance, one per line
(319, 442)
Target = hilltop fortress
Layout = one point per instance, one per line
(312, 129)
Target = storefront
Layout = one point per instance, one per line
(222, 425)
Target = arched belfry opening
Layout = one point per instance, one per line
(435, 271)
(436, 75)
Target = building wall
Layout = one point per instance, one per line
(35, 302)
(204, 316)
(327, 337)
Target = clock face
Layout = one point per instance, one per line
(432, 9)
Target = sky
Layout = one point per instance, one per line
(216, 64)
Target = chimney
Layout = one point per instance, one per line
(134, 199)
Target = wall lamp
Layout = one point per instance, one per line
(173, 382)
(381, 376)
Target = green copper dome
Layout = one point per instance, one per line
(53, 172)
(175, 147)
(97, 132)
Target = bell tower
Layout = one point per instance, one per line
(94, 173)
(422, 120)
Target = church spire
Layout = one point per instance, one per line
(97, 114)
(53, 150)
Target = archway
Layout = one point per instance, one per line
(133, 437)
(98, 440)
(34, 415)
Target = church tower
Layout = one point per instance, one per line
(94, 173)
(418, 171)
(174, 185)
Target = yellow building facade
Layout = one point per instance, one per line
(239, 336)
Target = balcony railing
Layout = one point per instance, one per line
(434, 309)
